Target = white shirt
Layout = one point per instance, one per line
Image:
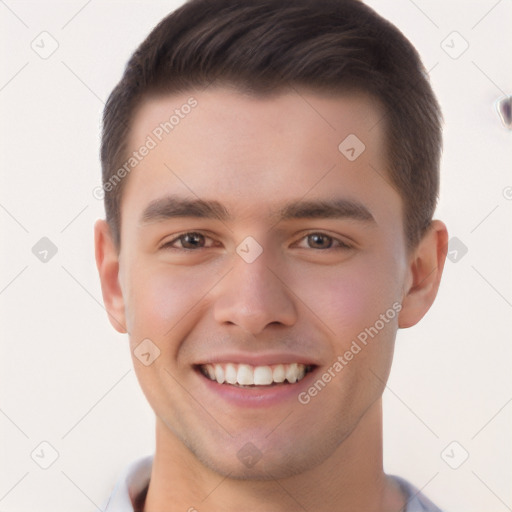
(135, 481)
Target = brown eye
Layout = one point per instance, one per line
(187, 241)
(319, 241)
(192, 240)
(322, 241)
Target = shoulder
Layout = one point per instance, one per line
(416, 500)
(131, 487)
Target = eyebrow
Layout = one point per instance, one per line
(174, 207)
(327, 209)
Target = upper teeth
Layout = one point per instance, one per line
(247, 375)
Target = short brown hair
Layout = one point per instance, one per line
(263, 46)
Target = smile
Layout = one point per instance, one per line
(242, 375)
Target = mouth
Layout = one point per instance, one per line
(248, 376)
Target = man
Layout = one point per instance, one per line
(270, 172)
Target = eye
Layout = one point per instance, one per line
(322, 241)
(188, 241)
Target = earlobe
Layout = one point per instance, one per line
(425, 270)
(107, 262)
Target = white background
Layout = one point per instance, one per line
(66, 375)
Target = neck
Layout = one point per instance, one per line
(352, 478)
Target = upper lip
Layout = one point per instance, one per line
(259, 359)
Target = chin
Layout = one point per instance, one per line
(263, 459)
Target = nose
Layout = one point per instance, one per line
(253, 297)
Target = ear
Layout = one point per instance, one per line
(107, 261)
(425, 269)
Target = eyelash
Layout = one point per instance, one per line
(341, 244)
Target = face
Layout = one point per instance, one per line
(266, 264)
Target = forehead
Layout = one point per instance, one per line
(204, 119)
(254, 152)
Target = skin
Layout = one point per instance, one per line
(299, 297)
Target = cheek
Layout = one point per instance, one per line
(162, 300)
(359, 305)
(353, 298)
(152, 301)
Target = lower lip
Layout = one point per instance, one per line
(258, 396)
